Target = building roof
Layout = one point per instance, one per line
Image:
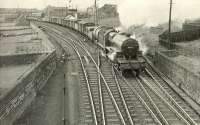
(54, 7)
(69, 17)
(85, 23)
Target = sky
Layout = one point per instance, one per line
(150, 12)
(40, 4)
(154, 12)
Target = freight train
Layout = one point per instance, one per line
(118, 47)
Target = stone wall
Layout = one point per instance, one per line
(18, 59)
(16, 101)
(189, 51)
(182, 77)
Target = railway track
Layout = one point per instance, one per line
(158, 83)
(161, 107)
(184, 112)
(168, 106)
(105, 95)
(111, 110)
(108, 98)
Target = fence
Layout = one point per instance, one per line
(185, 35)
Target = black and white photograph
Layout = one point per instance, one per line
(99, 62)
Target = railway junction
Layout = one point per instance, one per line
(53, 73)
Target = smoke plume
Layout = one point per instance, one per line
(154, 12)
(142, 45)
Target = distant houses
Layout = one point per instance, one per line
(52, 11)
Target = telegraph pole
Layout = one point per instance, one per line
(66, 10)
(96, 16)
(170, 17)
(70, 3)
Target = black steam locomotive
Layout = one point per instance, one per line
(122, 50)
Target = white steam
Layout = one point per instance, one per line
(142, 45)
(154, 12)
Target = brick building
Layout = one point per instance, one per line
(52, 11)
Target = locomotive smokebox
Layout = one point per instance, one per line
(129, 47)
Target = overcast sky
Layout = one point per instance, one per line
(156, 12)
(42, 3)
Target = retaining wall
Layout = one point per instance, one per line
(184, 50)
(15, 102)
(189, 51)
(182, 77)
(17, 59)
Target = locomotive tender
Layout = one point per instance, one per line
(119, 48)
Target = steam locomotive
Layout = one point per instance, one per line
(118, 47)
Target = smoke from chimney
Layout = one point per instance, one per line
(154, 12)
(143, 47)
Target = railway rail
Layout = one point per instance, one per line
(177, 102)
(109, 98)
(111, 105)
